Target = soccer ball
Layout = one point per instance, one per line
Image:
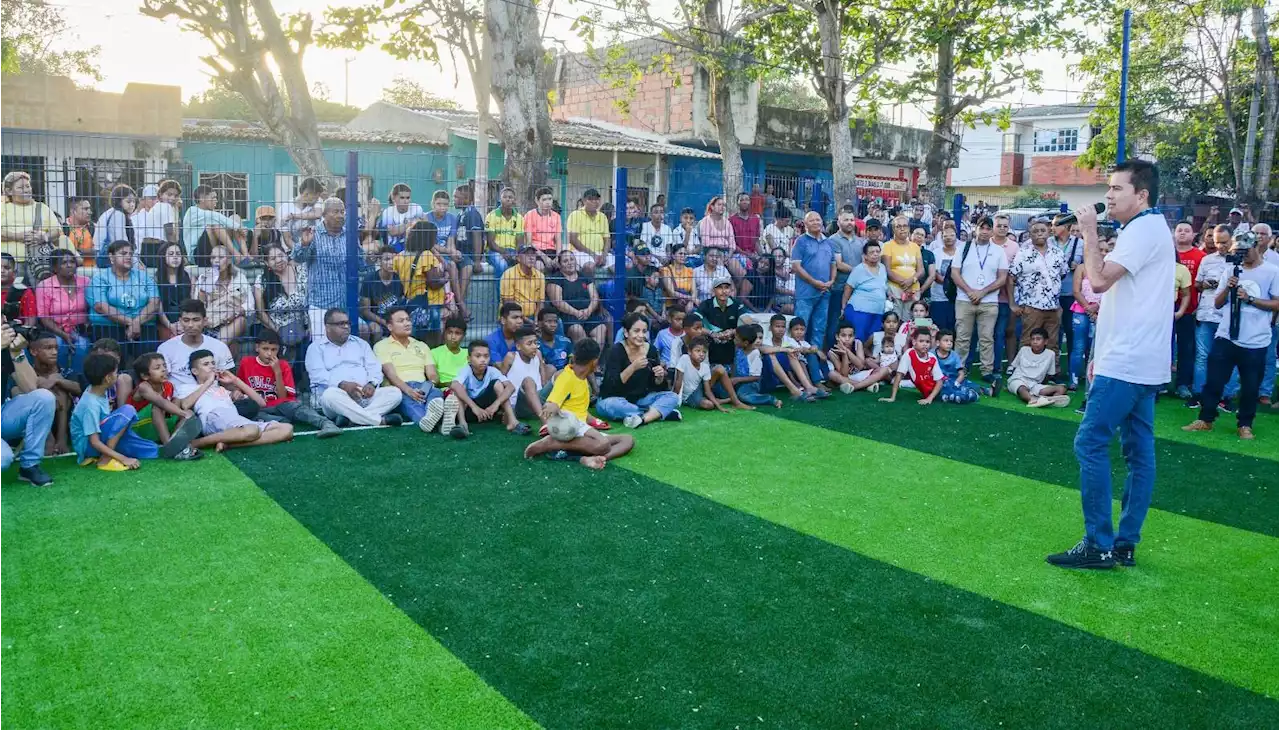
(563, 426)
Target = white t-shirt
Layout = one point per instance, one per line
(1212, 268)
(521, 370)
(1271, 257)
(216, 398)
(393, 217)
(981, 267)
(775, 238)
(1255, 324)
(693, 376)
(755, 363)
(659, 240)
(1027, 365)
(295, 226)
(944, 261)
(1134, 329)
(151, 223)
(177, 357)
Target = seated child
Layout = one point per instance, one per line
(530, 378)
(155, 392)
(920, 367)
(747, 366)
(891, 324)
(848, 367)
(479, 391)
(665, 339)
(570, 397)
(450, 357)
(919, 310)
(1029, 370)
(694, 326)
(783, 365)
(223, 426)
(814, 359)
(118, 394)
(695, 377)
(955, 389)
(272, 379)
(555, 348)
(44, 361)
(102, 434)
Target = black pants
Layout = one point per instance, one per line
(1184, 337)
(248, 408)
(1065, 301)
(1224, 356)
(148, 341)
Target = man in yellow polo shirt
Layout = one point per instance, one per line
(504, 229)
(589, 234)
(407, 364)
(524, 284)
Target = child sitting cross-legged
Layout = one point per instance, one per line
(530, 377)
(783, 365)
(565, 412)
(154, 391)
(747, 366)
(848, 367)
(100, 434)
(210, 398)
(695, 377)
(814, 360)
(955, 389)
(921, 368)
(478, 392)
(1029, 370)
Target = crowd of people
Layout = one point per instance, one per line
(189, 326)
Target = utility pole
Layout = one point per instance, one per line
(480, 189)
(346, 80)
(1124, 88)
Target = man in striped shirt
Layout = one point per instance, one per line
(324, 251)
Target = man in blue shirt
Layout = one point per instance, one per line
(324, 250)
(502, 341)
(813, 261)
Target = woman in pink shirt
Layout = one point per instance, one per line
(63, 311)
(716, 231)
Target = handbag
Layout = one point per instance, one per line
(948, 284)
(39, 255)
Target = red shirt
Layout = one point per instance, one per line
(757, 204)
(746, 232)
(138, 402)
(263, 380)
(924, 372)
(1191, 259)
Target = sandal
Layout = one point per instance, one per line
(521, 429)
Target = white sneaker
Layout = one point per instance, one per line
(449, 413)
(1040, 402)
(846, 388)
(435, 411)
(634, 420)
(1060, 401)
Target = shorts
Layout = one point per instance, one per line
(1034, 388)
(786, 300)
(695, 398)
(225, 419)
(590, 258)
(860, 376)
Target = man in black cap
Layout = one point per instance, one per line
(720, 314)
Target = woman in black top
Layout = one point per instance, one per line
(174, 284)
(636, 387)
(579, 305)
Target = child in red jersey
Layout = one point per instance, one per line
(921, 368)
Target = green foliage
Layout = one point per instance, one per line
(1034, 198)
(780, 89)
(219, 102)
(408, 93)
(36, 38)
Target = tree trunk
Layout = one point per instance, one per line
(831, 87)
(727, 135)
(1270, 91)
(519, 88)
(296, 129)
(941, 152)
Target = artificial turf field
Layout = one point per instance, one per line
(841, 564)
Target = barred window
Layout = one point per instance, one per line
(96, 178)
(232, 189)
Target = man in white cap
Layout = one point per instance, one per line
(1240, 219)
(153, 225)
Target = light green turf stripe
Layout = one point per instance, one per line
(1171, 416)
(167, 598)
(1204, 595)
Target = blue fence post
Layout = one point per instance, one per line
(957, 210)
(1121, 142)
(1063, 207)
(618, 298)
(352, 231)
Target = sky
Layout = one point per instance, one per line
(136, 48)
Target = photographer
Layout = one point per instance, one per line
(1244, 334)
(29, 414)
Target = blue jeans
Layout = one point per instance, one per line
(1269, 370)
(748, 393)
(411, 409)
(1116, 404)
(130, 443)
(833, 315)
(499, 263)
(1081, 340)
(1002, 322)
(813, 310)
(618, 408)
(943, 315)
(71, 357)
(1205, 332)
(952, 392)
(30, 417)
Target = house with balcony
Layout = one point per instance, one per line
(1039, 150)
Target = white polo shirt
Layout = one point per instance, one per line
(1135, 327)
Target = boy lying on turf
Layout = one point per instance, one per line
(570, 397)
(211, 400)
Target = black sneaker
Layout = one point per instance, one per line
(1083, 556)
(995, 387)
(35, 476)
(1193, 402)
(1083, 406)
(1226, 406)
(392, 419)
(1123, 554)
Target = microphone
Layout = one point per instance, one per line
(1070, 218)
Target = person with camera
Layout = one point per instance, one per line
(1243, 338)
(29, 414)
(1133, 342)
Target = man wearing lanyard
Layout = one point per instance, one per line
(1130, 364)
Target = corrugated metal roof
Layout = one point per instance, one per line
(1053, 110)
(214, 129)
(582, 134)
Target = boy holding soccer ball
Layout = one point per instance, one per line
(566, 415)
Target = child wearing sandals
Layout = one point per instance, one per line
(747, 366)
(100, 433)
(783, 366)
(1032, 366)
(565, 412)
(848, 367)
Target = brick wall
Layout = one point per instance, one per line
(660, 100)
(1011, 168)
(1060, 170)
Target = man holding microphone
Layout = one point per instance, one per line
(1130, 364)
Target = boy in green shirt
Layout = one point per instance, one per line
(451, 357)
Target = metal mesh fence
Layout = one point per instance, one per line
(231, 223)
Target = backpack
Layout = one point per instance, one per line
(949, 285)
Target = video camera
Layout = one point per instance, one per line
(25, 331)
(1242, 243)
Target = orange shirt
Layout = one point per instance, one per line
(544, 231)
(82, 241)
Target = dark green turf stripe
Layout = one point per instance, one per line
(612, 600)
(1230, 489)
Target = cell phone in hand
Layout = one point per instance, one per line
(922, 323)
